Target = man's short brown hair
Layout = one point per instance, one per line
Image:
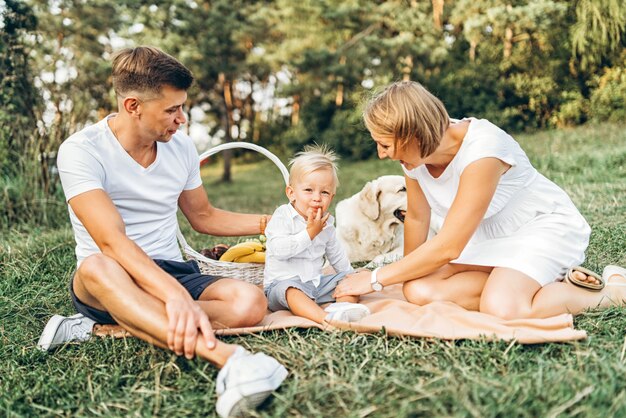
(406, 112)
(146, 69)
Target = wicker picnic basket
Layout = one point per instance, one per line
(250, 272)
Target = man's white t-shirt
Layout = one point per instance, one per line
(146, 198)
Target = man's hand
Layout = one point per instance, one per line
(355, 284)
(185, 319)
(315, 221)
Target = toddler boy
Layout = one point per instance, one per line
(299, 235)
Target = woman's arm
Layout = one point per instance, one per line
(476, 189)
(417, 219)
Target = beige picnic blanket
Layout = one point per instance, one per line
(444, 320)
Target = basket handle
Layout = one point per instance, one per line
(232, 145)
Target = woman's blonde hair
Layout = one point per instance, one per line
(313, 158)
(406, 111)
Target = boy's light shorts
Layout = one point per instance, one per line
(276, 292)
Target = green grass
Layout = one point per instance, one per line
(332, 374)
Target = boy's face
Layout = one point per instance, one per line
(311, 192)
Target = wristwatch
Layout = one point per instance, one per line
(376, 285)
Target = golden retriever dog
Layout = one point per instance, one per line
(370, 223)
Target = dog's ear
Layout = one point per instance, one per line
(369, 202)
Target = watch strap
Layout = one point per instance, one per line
(374, 280)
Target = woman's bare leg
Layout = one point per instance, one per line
(458, 283)
(511, 294)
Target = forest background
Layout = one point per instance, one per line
(282, 73)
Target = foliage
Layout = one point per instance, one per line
(283, 74)
(599, 31)
(18, 95)
(331, 374)
(608, 99)
(25, 196)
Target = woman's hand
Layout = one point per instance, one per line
(354, 284)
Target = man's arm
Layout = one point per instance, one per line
(206, 219)
(98, 214)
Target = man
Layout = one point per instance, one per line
(124, 179)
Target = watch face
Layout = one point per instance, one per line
(377, 286)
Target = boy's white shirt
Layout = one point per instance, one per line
(291, 252)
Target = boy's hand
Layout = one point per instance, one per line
(315, 221)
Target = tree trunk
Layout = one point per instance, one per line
(226, 122)
(408, 67)
(339, 96)
(472, 51)
(508, 42)
(295, 110)
(508, 36)
(437, 12)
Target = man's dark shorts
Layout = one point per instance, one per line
(187, 273)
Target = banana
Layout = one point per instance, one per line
(256, 257)
(256, 244)
(237, 251)
(243, 249)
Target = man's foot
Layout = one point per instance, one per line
(60, 330)
(346, 311)
(245, 381)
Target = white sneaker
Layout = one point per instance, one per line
(245, 381)
(346, 311)
(60, 330)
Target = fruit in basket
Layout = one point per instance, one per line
(216, 252)
(255, 257)
(243, 249)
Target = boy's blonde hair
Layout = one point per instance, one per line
(310, 159)
(406, 112)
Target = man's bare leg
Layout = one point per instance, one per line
(232, 303)
(102, 283)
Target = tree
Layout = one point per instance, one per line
(599, 31)
(18, 95)
(19, 100)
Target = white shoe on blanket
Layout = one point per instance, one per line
(346, 311)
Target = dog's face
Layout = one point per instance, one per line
(369, 223)
(384, 200)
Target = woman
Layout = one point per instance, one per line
(509, 234)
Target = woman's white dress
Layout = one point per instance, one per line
(531, 224)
